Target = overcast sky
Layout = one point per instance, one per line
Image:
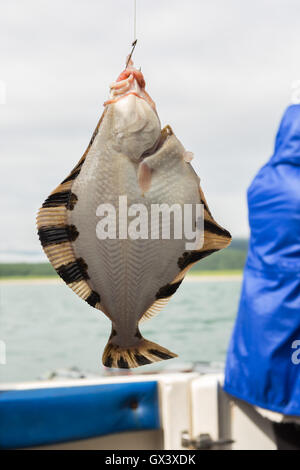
(219, 71)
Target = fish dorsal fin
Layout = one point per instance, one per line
(56, 235)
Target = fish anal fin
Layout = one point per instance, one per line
(163, 296)
(56, 236)
(154, 309)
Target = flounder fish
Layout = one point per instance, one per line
(129, 161)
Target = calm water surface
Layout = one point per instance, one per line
(46, 327)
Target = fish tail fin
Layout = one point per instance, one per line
(142, 353)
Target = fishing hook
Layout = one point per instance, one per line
(130, 55)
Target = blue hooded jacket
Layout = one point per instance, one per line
(263, 360)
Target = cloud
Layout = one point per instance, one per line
(220, 73)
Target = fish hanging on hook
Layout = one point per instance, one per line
(96, 229)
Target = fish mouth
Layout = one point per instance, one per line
(130, 82)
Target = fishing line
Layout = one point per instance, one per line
(134, 21)
(134, 33)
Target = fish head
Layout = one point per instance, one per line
(135, 123)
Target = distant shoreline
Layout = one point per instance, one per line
(200, 276)
(29, 280)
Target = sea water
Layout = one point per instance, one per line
(45, 327)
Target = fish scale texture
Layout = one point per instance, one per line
(128, 273)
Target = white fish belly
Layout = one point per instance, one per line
(127, 273)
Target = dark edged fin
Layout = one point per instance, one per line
(93, 299)
(215, 238)
(72, 176)
(76, 170)
(212, 227)
(168, 290)
(57, 236)
(74, 271)
(143, 352)
(191, 257)
(163, 296)
(61, 198)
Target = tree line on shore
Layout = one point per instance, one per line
(233, 258)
